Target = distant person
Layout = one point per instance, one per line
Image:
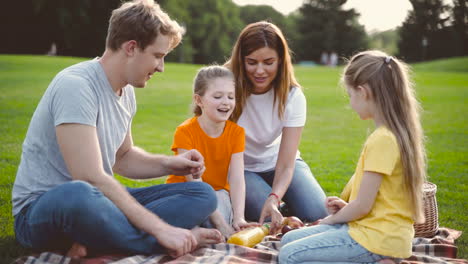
(271, 107)
(373, 220)
(324, 58)
(333, 59)
(53, 50)
(220, 141)
(80, 134)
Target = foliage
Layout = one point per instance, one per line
(78, 28)
(211, 26)
(434, 30)
(325, 26)
(331, 141)
(460, 23)
(385, 41)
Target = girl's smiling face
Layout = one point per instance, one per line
(219, 101)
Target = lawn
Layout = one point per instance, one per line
(331, 141)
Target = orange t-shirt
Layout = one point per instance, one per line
(217, 152)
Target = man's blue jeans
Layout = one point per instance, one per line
(304, 197)
(323, 244)
(79, 212)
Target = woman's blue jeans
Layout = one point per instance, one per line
(304, 197)
(79, 212)
(323, 244)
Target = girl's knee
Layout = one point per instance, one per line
(286, 239)
(284, 255)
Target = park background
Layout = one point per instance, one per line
(433, 38)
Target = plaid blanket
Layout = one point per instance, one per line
(439, 249)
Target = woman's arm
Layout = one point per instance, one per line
(363, 204)
(283, 174)
(286, 160)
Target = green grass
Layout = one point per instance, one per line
(331, 142)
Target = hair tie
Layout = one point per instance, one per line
(388, 59)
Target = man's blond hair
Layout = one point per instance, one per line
(142, 21)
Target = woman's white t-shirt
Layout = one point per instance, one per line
(263, 128)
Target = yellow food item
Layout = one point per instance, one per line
(250, 237)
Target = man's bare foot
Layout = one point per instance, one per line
(77, 251)
(207, 236)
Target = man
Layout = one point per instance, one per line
(80, 134)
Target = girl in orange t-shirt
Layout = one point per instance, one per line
(220, 141)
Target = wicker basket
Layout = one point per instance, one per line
(431, 225)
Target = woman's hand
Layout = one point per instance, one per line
(334, 204)
(270, 208)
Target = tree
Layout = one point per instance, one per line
(254, 13)
(385, 41)
(460, 17)
(78, 28)
(429, 32)
(211, 26)
(325, 26)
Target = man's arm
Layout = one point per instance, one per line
(80, 149)
(135, 163)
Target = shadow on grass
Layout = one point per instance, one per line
(11, 250)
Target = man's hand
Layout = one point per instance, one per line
(177, 241)
(190, 162)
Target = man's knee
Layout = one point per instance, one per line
(205, 193)
(77, 196)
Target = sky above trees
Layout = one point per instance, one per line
(376, 15)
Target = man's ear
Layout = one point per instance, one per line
(129, 47)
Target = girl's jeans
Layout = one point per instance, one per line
(304, 197)
(323, 244)
(224, 208)
(79, 212)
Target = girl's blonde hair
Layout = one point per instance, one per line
(203, 78)
(253, 37)
(394, 96)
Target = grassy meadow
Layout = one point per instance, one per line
(331, 141)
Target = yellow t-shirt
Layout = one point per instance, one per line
(217, 152)
(388, 228)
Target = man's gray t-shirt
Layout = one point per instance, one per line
(79, 94)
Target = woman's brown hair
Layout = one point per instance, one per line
(253, 37)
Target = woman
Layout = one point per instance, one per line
(272, 109)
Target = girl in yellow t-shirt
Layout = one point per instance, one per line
(220, 141)
(373, 220)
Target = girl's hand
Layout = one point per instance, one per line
(240, 223)
(226, 231)
(270, 209)
(326, 221)
(334, 204)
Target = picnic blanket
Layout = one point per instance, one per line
(439, 249)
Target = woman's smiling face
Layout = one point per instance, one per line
(261, 67)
